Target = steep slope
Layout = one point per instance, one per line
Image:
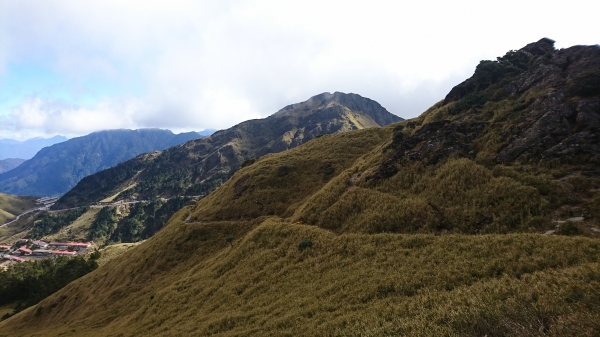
(56, 169)
(305, 242)
(9, 164)
(10, 148)
(200, 166)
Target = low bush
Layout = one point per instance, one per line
(305, 244)
(568, 228)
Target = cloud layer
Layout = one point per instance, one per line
(190, 65)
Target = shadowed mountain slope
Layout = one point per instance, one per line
(9, 164)
(199, 166)
(57, 168)
(367, 233)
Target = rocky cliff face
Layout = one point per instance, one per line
(562, 122)
(533, 105)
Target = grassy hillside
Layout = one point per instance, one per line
(77, 230)
(428, 227)
(350, 284)
(12, 205)
(200, 166)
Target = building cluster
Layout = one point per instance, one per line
(26, 248)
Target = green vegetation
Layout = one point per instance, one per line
(76, 231)
(51, 223)
(58, 168)
(305, 244)
(104, 224)
(142, 221)
(28, 283)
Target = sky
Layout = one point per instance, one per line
(72, 67)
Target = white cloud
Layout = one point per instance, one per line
(204, 64)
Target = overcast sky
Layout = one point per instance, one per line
(73, 67)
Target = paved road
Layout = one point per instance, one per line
(43, 208)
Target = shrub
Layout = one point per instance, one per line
(283, 170)
(304, 244)
(248, 162)
(472, 100)
(568, 228)
(327, 168)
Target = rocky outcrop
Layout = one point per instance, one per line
(562, 123)
(432, 143)
(555, 95)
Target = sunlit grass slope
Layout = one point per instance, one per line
(13, 205)
(278, 184)
(350, 284)
(188, 280)
(76, 231)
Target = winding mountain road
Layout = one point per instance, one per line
(43, 208)
(118, 203)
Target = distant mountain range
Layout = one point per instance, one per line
(9, 164)
(200, 166)
(10, 148)
(57, 168)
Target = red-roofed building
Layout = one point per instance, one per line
(25, 250)
(4, 248)
(12, 258)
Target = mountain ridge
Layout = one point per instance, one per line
(199, 166)
(57, 168)
(10, 148)
(9, 164)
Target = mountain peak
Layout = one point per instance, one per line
(540, 47)
(202, 164)
(353, 102)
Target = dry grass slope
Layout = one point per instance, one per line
(187, 280)
(345, 285)
(12, 205)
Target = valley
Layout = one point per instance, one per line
(479, 217)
